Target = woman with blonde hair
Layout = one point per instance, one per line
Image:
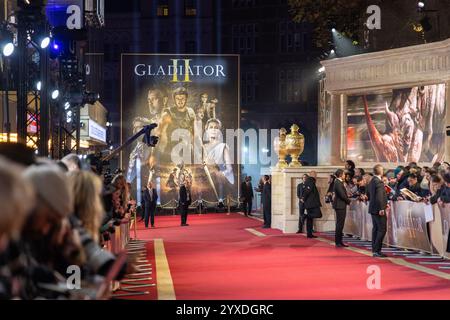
(88, 206)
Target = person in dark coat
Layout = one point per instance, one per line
(311, 200)
(301, 207)
(340, 202)
(267, 202)
(378, 204)
(150, 197)
(185, 201)
(247, 195)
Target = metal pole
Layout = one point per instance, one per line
(22, 88)
(44, 104)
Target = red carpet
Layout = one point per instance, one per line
(216, 258)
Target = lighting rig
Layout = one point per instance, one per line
(35, 90)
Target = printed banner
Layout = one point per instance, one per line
(194, 99)
(399, 126)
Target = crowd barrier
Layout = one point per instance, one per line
(120, 237)
(410, 225)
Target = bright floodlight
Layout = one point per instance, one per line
(45, 42)
(421, 4)
(39, 85)
(55, 94)
(333, 30)
(8, 49)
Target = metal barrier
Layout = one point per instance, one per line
(120, 237)
(406, 225)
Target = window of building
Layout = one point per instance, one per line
(244, 38)
(249, 86)
(163, 8)
(292, 39)
(190, 8)
(290, 85)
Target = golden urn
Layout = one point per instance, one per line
(280, 148)
(295, 143)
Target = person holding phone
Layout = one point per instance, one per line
(377, 209)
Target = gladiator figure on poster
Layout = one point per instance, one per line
(400, 126)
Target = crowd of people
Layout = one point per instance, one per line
(58, 218)
(410, 183)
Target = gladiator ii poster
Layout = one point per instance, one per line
(398, 126)
(194, 100)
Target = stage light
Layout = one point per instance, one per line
(321, 69)
(332, 51)
(333, 30)
(108, 124)
(421, 4)
(111, 147)
(66, 105)
(55, 94)
(44, 42)
(55, 46)
(8, 49)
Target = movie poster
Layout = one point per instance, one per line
(194, 100)
(400, 126)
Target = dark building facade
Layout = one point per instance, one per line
(278, 63)
(278, 68)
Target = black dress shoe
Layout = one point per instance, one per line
(299, 231)
(379, 255)
(341, 245)
(266, 227)
(184, 225)
(312, 236)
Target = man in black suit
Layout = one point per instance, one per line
(185, 201)
(340, 202)
(247, 195)
(311, 200)
(301, 207)
(267, 202)
(377, 196)
(150, 197)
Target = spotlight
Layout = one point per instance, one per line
(8, 49)
(108, 124)
(55, 46)
(333, 30)
(44, 42)
(332, 51)
(66, 105)
(39, 85)
(321, 69)
(55, 94)
(421, 4)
